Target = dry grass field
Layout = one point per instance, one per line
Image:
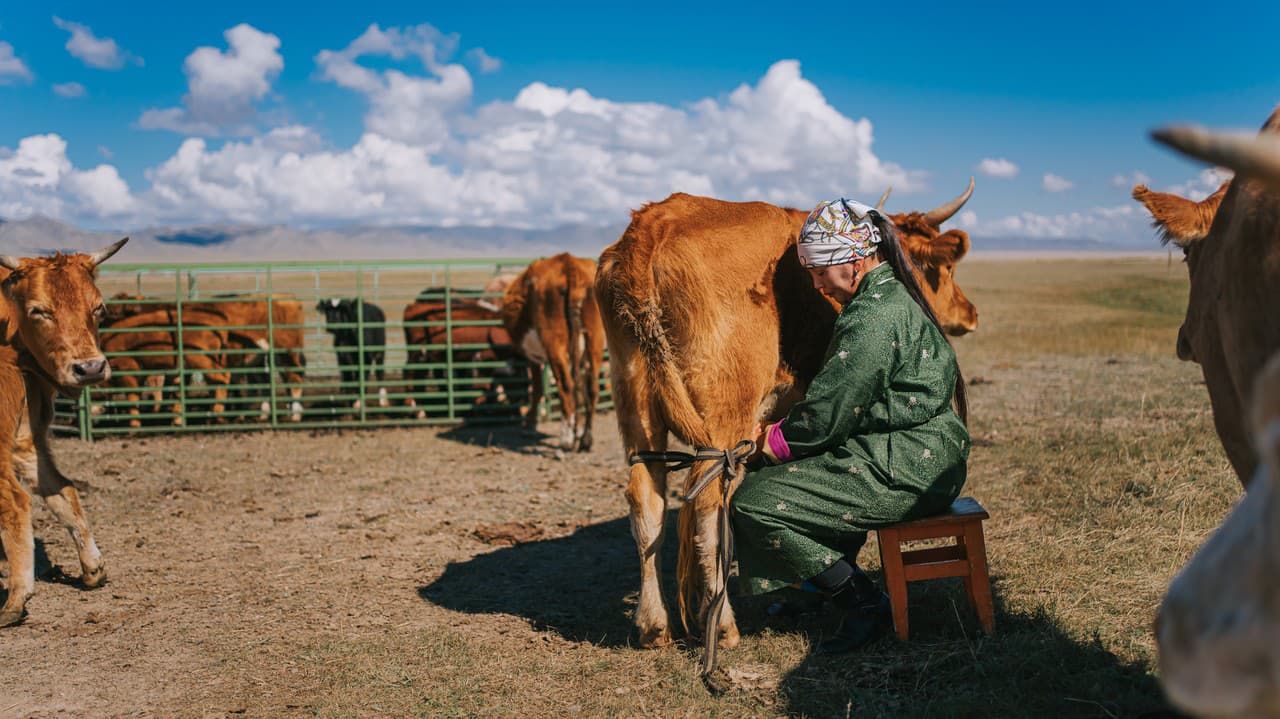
(341, 574)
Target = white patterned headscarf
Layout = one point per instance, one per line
(836, 232)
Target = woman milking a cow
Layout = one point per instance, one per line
(874, 441)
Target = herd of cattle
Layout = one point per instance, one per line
(232, 343)
(712, 326)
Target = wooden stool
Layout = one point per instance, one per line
(967, 559)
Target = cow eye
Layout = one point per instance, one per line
(99, 312)
(39, 313)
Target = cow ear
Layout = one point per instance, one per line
(945, 249)
(1179, 220)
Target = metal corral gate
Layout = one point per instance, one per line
(183, 369)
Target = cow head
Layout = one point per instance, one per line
(1184, 223)
(1218, 628)
(54, 312)
(337, 311)
(935, 254)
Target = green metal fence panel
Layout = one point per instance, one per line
(240, 346)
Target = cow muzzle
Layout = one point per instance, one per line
(90, 371)
(1184, 347)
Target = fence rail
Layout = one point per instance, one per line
(241, 346)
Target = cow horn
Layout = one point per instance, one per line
(9, 262)
(942, 213)
(884, 198)
(105, 253)
(1248, 154)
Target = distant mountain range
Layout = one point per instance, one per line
(228, 243)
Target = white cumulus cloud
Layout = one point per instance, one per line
(1122, 223)
(997, 167)
(1054, 183)
(69, 89)
(37, 177)
(1137, 177)
(12, 68)
(408, 108)
(483, 61)
(223, 87)
(1205, 183)
(547, 156)
(551, 155)
(100, 52)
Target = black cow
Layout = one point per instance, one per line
(341, 322)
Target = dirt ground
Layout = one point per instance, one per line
(230, 557)
(477, 572)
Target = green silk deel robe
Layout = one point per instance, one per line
(875, 441)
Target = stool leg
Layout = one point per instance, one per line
(968, 581)
(895, 578)
(976, 549)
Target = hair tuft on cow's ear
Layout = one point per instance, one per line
(1177, 219)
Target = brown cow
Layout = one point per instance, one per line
(426, 337)
(1217, 626)
(709, 314)
(1229, 241)
(551, 314)
(49, 315)
(203, 349)
(250, 337)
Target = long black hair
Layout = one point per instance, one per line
(890, 250)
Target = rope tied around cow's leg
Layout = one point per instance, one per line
(726, 463)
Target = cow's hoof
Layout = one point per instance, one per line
(12, 617)
(92, 579)
(729, 637)
(656, 638)
(584, 444)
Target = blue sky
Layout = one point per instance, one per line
(412, 127)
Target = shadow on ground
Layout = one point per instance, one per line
(582, 586)
(509, 436)
(1031, 667)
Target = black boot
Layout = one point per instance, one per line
(866, 615)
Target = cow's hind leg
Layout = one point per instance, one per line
(535, 398)
(647, 497)
(700, 574)
(590, 383)
(701, 569)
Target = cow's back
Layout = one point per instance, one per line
(690, 310)
(700, 256)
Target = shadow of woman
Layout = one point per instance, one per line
(1031, 667)
(582, 585)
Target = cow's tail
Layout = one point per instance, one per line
(630, 286)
